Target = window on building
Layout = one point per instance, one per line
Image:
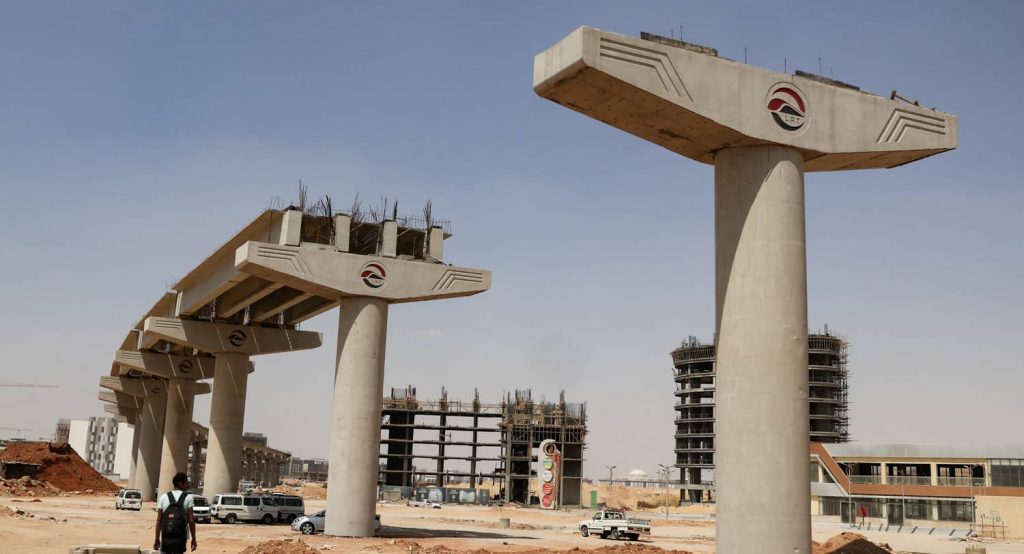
(954, 510)
(814, 473)
(1007, 473)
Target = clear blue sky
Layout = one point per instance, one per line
(136, 137)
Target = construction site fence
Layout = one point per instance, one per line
(441, 495)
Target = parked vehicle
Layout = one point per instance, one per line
(128, 499)
(613, 524)
(289, 506)
(200, 509)
(245, 486)
(229, 508)
(423, 504)
(307, 525)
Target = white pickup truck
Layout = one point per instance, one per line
(613, 524)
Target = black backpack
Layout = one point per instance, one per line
(174, 530)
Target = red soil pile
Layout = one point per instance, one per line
(280, 547)
(848, 543)
(61, 466)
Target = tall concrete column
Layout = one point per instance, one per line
(147, 472)
(227, 415)
(355, 423)
(177, 430)
(197, 460)
(136, 425)
(761, 289)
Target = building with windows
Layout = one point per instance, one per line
(694, 374)
(921, 485)
(103, 442)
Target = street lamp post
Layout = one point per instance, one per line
(666, 471)
(611, 473)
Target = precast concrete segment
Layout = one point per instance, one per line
(181, 395)
(227, 415)
(355, 421)
(224, 337)
(330, 274)
(762, 382)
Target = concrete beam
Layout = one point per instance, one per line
(134, 386)
(244, 294)
(216, 274)
(121, 399)
(129, 415)
(331, 274)
(223, 337)
(310, 308)
(166, 366)
(274, 304)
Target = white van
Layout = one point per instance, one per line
(128, 499)
(229, 508)
(289, 507)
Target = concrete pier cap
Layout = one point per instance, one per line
(762, 130)
(364, 281)
(689, 100)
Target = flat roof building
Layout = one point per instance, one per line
(977, 489)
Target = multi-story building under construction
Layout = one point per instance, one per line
(475, 442)
(695, 405)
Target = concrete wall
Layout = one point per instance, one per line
(78, 437)
(123, 450)
(1011, 510)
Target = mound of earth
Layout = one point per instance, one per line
(280, 547)
(60, 467)
(849, 543)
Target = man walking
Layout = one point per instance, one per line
(174, 520)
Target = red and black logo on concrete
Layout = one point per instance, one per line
(374, 275)
(788, 106)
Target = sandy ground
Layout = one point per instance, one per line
(92, 519)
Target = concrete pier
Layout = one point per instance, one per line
(147, 472)
(762, 130)
(227, 415)
(355, 423)
(762, 381)
(177, 430)
(136, 425)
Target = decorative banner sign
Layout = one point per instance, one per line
(549, 474)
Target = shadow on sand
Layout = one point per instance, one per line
(389, 532)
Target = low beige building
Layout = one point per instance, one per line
(894, 486)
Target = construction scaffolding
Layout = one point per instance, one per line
(470, 442)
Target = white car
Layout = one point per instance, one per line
(128, 499)
(307, 525)
(423, 504)
(200, 509)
